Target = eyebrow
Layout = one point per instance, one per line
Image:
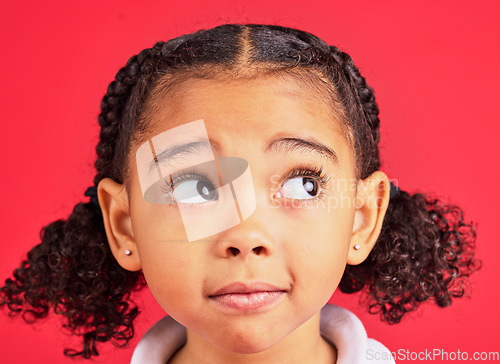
(279, 144)
(300, 145)
(180, 151)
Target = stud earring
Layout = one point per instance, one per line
(128, 252)
(357, 247)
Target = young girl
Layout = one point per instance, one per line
(238, 176)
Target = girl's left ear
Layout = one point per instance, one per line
(371, 204)
(113, 200)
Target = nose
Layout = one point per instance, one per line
(252, 237)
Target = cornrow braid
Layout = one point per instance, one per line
(113, 107)
(365, 92)
(365, 97)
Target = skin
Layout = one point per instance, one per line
(300, 247)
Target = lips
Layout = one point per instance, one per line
(246, 297)
(246, 288)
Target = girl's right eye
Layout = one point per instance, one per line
(194, 191)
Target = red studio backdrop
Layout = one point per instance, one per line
(434, 68)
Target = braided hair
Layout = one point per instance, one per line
(425, 250)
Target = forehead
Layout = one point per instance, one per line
(243, 114)
(273, 102)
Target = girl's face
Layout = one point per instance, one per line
(296, 242)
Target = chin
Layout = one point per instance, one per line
(247, 347)
(248, 342)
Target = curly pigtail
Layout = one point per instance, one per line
(74, 272)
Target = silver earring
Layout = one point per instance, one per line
(357, 247)
(128, 252)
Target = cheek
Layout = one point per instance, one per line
(169, 262)
(321, 260)
(172, 272)
(157, 223)
(321, 238)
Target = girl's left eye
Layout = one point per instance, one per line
(299, 188)
(194, 191)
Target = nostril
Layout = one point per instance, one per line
(234, 251)
(258, 250)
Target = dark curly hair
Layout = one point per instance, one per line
(425, 249)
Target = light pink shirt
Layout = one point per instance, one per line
(338, 326)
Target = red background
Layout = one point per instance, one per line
(433, 66)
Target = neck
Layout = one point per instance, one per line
(303, 345)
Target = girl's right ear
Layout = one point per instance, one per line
(113, 200)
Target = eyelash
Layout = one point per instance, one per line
(176, 179)
(306, 171)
